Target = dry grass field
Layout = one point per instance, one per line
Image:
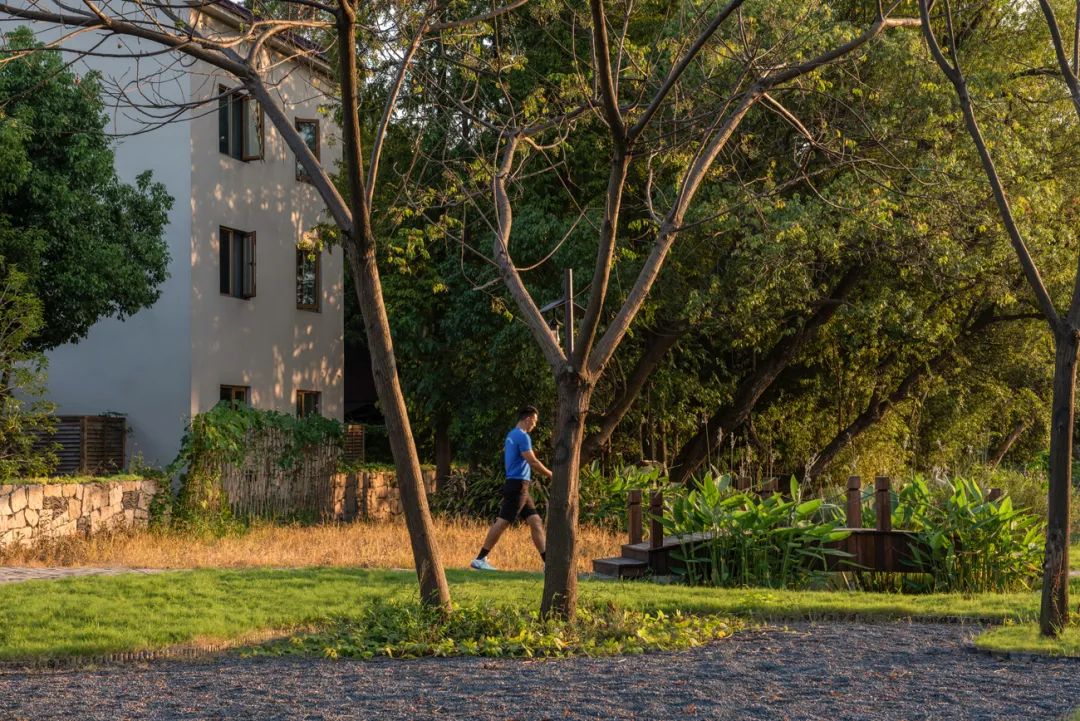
(367, 545)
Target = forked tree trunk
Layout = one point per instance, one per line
(559, 599)
(1055, 596)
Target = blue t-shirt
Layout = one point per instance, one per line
(517, 442)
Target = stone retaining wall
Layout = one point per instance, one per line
(29, 513)
(369, 495)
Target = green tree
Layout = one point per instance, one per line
(90, 246)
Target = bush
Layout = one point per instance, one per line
(750, 541)
(970, 543)
(601, 499)
(1029, 487)
(403, 629)
(477, 495)
(25, 417)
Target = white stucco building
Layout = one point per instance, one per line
(243, 314)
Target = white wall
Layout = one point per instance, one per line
(262, 342)
(140, 366)
(167, 362)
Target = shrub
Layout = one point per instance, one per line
(477, 495)
(736, 539)
(25, 417)
(405, 629)
(601, 498)
(970, 543)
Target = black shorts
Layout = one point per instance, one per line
(516, 501)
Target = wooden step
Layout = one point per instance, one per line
(619, 567)
(644, 551)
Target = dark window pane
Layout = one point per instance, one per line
(224, 256)
(223, 122)
(237, 125)
(237, 260)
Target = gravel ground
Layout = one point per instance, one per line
(830, 671)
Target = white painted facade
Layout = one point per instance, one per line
(169, 361)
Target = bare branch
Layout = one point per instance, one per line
(602, 50)
(496, 12)
(680, 68)
(549, 345)
(956, 77)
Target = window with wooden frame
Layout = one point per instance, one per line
(240, 125)
(240, 395)
(308, 279)
(308, 403)
(309, 131)
(237, 262)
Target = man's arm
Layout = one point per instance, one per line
(533, 461)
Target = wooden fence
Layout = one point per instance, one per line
(260, 487)
(88, 445)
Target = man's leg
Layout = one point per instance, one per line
(536, 530)
(513, 493)
(494, 533)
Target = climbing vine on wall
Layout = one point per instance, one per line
(223, 436)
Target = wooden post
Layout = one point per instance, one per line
(83, 441)
(854, 502)
(883, 503)
(656, 529)
(994, 495)
(634, 514)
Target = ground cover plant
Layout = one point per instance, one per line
(404, 629)
(98, 616)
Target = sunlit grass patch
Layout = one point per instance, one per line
(1025, 638)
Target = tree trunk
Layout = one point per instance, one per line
(359, 244)
(443, 451)
(429, 570)
(560, 577)
(1007, 444)
(657, 345)
(697, 449)
(875, 410)
(1055, 594)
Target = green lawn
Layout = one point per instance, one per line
(95, 616)
(1025, 638)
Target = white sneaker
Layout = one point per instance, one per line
(481, 564)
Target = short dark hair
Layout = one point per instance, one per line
(526, 411)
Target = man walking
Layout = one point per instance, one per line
(520, 462)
